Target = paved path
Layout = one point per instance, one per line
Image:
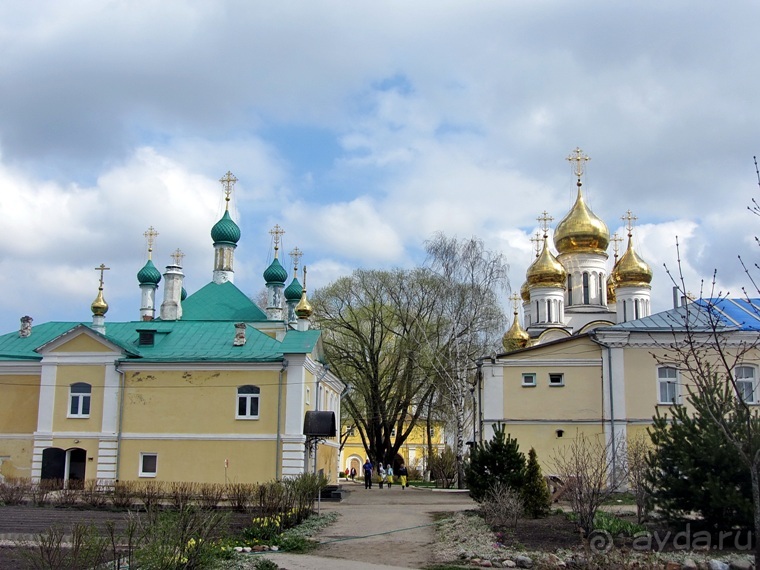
(379, 528)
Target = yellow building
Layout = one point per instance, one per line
(413, 452)
(213, 389)
(591, 359)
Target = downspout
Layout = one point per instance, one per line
(613, 443)
(278, 451)
(121, 418)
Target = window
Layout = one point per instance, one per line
(529, 379)
(569, 290)
(248, 403)
(745, 383)
(79, 400)
(148, 464)
(556, 379)
(667, 380)
(586, 299)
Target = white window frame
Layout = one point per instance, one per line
(143, 456)
(742, 382)
(529, 379)
(674, 380)
(561, 379)
(248, 398)
(77, 401)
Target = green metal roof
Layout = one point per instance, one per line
(221, 302)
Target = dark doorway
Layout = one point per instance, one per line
(57, 463)
(77, 459)
(53, 463)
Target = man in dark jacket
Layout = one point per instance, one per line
(368, 474)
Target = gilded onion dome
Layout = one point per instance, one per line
(525, 292)
(581, 230)
(149, 275)
(304, 308)
(546, 271)
(225, 230)
(515, 337)
(631, 270)
(611, 286)
(99, 306)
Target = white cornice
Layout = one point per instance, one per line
(564, 362)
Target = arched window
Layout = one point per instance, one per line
(569, 290)
(667, 385)
(585, 289)
(600, 288)
(746, 383)
(248, 402)
(79, 400)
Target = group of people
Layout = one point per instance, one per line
(386, 474)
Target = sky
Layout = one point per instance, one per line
(362, 129)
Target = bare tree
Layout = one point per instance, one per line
(585, 468)
(468, 322)
(637, 452)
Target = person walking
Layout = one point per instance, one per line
(368, 474)
(381, 472)
(389, 475)
(353, 473)
(402, 475)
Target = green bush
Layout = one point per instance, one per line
(496, 461)
(535, 492)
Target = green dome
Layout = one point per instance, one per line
(149, 274)
(225, 230)
(293, 291)
(275, 273)
(183, 294)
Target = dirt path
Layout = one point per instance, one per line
(379, 528)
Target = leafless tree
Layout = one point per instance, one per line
(638, 448)
(467, 323)
(585, 468)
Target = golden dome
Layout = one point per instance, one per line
(631, 270)
(99, 306)
(303, 308)
(580, 230)
(611, 285)
(515, 337)
(546, 271)
(525, 292)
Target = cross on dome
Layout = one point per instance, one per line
(178, 256)
(616, 240)
(296, 255)
(102, 268)
(537, 239)
(629, 218)
(578, 158)
(515, 298)
(276, 232)
(150, 236)
(544, 220)
(228, 182)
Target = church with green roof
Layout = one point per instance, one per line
(206, 387)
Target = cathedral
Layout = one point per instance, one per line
(575, 290)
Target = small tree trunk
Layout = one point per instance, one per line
(460, 442)
(756, 503)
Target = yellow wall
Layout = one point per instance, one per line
(20, 453)
(19, 404)
(201, 461)
(198, 401)
(82, 343)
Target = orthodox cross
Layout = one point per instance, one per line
(295, 256)
(304, 279)
(616, 239)
(102, 268)
(228, 182)
(515, 298)
(150, 235)
(537, 239)
(578, 158)
(629, 218)
(276, 232)
(178, 256)
(544, 220)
